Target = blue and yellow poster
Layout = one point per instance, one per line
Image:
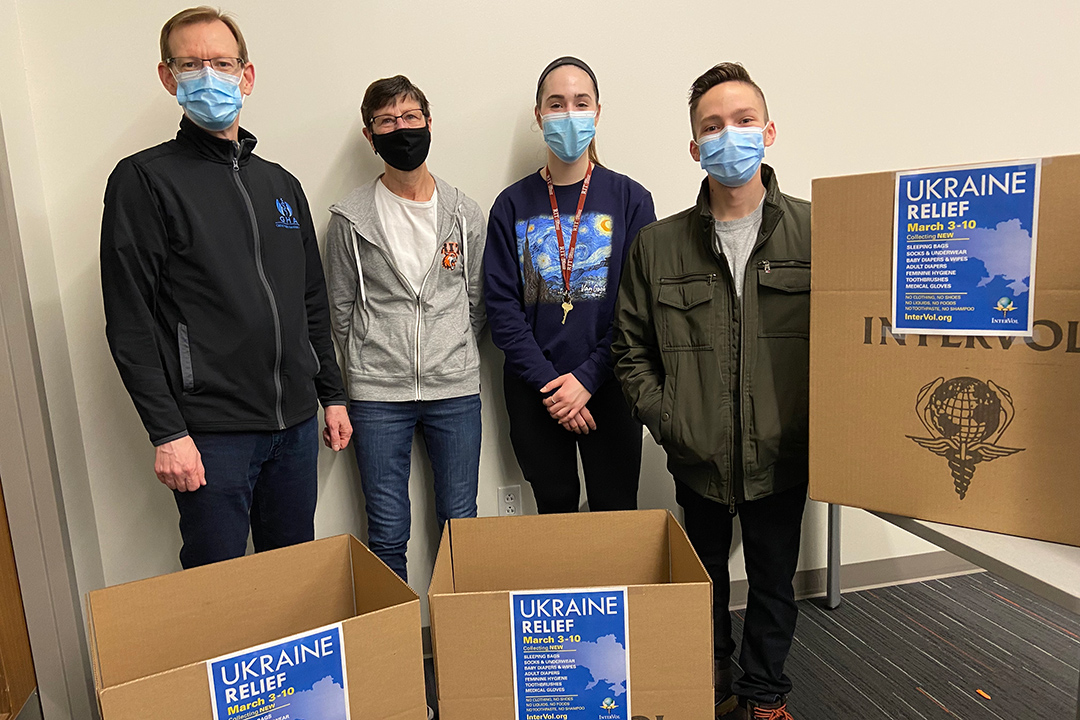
(571, 654)
(964, 249)
(298, 678)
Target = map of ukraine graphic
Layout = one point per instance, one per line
(606, 660)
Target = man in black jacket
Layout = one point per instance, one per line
(216, 309)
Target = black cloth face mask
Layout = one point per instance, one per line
(404, 149)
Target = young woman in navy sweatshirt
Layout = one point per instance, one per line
(557, 240)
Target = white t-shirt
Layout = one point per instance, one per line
(411, 228)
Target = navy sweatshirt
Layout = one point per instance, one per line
(523, 282)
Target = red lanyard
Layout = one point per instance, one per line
(566, 255)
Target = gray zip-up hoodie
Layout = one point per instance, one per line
(401, 346)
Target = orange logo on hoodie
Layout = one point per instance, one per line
(450, 251)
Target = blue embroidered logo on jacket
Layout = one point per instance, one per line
(285, 215)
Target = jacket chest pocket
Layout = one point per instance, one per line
(687, 320)
(783, 298)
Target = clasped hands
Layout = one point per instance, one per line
(566, 404)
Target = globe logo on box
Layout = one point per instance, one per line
(966, 419)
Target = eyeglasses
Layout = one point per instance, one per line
(229, 65)
(387, 123)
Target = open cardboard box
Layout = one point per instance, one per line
(150, 640)
(868, 446)
(669, 605)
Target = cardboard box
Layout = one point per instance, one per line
(668, 606)
(873, 444)
(150, 640)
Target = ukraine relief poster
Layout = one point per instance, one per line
(298, 678)
(571, 655)
(964, 249)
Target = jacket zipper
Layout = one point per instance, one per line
(744, 392)
(710, 278)
(419, 315)
(419, 318)
(734, 297)
(768, 265)
(265, 282)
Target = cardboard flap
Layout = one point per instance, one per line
(442, 576)
(686, 567)
(384, 663)
(154, 625)
(534, 552)
(375, 586)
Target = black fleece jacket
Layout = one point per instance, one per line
(215, 304)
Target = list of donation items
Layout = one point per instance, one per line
(571, 658)
(964, 249)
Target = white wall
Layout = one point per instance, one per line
(853, 87)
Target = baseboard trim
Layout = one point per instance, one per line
(853, 577)
(868, 575)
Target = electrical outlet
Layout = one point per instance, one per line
(510, 500)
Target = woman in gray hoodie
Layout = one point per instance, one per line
(403, 256)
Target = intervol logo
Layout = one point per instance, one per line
(966, 419)
(285, 215)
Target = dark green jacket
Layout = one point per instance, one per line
(692, 358)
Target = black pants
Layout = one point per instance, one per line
(771, 529)
(265, 482)
(547, 454)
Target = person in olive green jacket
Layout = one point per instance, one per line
(711, 346)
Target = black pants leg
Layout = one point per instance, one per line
(547, 454)
(771, 530)
(611, 454)
(709, 525)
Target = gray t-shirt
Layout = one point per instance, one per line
(735, 240)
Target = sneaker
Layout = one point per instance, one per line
(767, 711)
(729, 709)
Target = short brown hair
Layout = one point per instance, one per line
(385, 91)
(203, 13)
(717, 75)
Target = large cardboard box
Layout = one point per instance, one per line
(150, 640)
(875, 440)
(668, 606)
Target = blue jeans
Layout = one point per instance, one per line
(263, 481)
(382, 438)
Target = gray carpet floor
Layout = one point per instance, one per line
(963, 648)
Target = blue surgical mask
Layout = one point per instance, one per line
(733, 155)
(568, 134)
(211, 98)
